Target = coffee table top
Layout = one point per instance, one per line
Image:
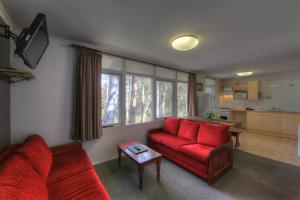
(140, 158)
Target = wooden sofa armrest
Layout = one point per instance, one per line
(61, 149)
(220, 160)
(225, 147)
(155, 130)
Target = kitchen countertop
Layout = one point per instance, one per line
(266, 111)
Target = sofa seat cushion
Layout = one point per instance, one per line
(81, 186)
(171, 125)
(188, 130)
(18, 180)
(157, 137)
(213, 135)
(197, 151)
(68, 164)
(175, 143)
(38, 153)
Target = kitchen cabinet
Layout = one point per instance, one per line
(290, 123)
(255, 120)
(240, 86)
(272, 122)
(253, 90)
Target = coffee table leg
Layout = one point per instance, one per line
(119, 156)
(158, 162)
(141, 176)
(237, 141)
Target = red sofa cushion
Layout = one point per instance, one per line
(175, 143)
(18, 180)
(66, 148)
(68, 164)
(188, 129)
(81, 186)
(213, 135)
(157, 137)
(185, 161)
(38, 153)
(197, 151)
(8, 152)
(171, 125)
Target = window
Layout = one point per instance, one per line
(209, 86)
(164, 99)
(182, 96)
(139, 101)
(110, 99)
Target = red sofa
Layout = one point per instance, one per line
(32, 171)
(202, 148)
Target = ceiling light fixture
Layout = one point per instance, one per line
(185, 42)
(244, 73)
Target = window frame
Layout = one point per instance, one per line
(174, 95)
(114, 73)
(154, 78)
(152, 95)
(186, 82)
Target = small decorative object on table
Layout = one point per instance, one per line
(137, 148)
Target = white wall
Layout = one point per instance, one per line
(44, 106)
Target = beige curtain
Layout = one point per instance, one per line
(192, 99)
(87, 105)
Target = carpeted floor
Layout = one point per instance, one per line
(252, 177)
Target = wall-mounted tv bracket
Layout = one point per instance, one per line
(5, 32)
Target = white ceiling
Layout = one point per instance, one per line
(261, 35)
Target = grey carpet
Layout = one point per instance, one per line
(252, 177)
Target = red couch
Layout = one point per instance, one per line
(32, 171)
(202, 148)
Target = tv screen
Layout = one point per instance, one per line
(33, 41)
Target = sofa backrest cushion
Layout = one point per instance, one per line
(213, 135)
(8, 152)
(171, 125)
(38, 153)
(188, 129)
(18, 180)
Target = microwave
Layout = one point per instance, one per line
(240, 95)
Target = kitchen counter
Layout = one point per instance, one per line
(271, 111)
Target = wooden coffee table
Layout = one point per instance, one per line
(141, 159)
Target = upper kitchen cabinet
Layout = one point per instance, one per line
(225, 86)
(240, 86)
(253, 90)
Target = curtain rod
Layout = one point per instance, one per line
(128, 58)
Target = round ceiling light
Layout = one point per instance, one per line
(245, 73)
(185, 42)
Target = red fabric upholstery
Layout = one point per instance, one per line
(65, 148)
(81, 186)
(186, 162)
(8, 152)
(157, 137)
(197, 151)
(188, 130)
(18, 180)
(68, 164)
(171, 125)
(213, 134)
(175, 143)
(38, 153)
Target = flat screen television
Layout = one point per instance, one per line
(33, 41)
